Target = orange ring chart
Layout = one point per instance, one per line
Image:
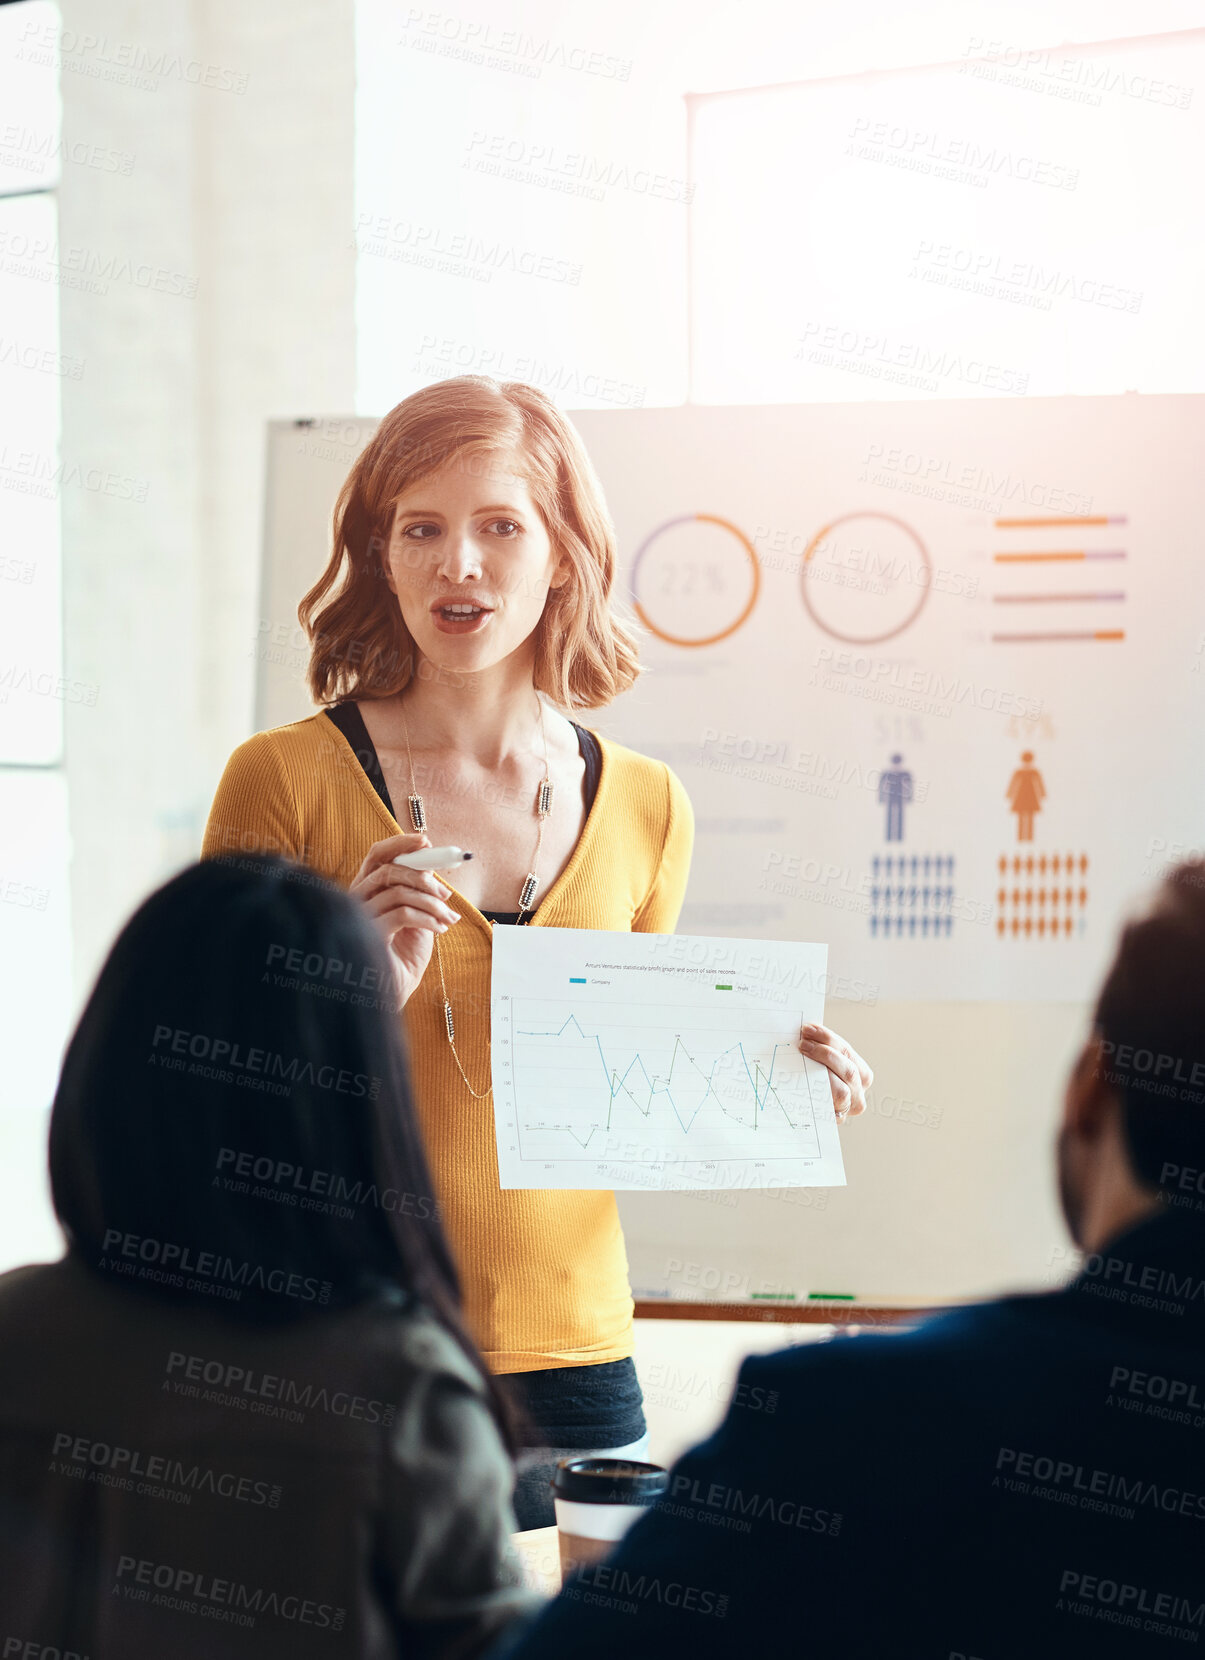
(704, 639)
(926, 564)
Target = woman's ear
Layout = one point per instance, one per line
(1089, 1095)
(378, 556)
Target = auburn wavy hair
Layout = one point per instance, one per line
(586, 650)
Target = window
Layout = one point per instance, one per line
(520, 210)
(1009, 223)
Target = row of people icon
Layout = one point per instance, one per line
(1040, 863)
(1067, 896)
(1044, 927)
(898, 923)
(916, 864)
(935, 897)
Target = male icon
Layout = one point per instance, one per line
(895, 788)
(1025, 794)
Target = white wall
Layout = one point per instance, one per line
(241, 194)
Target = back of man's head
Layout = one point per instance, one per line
(1151, 1018)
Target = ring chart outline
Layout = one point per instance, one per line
(890, 634)
(670, 524)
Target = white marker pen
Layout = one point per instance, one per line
(433, 858)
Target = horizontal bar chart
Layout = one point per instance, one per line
(1061, 635)
(1052, 599)
(1057, 523)
(1071, 555)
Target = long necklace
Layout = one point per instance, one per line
(527, 893)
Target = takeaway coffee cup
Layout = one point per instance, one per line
(596, 1502)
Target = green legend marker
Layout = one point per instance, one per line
(723, 988)
(773, 1296)
(831, 1297)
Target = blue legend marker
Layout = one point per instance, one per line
(574, 980)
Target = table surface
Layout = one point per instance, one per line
(539, 1557)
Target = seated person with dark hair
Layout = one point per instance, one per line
(242, 1416)
(1025, 1478)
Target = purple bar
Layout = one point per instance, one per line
(1048, 599)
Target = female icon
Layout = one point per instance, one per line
(1025, 794)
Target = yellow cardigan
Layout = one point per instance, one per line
(545, 1274)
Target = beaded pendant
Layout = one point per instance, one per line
(418, 813)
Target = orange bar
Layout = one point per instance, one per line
(1094, 519)
(1033, 558)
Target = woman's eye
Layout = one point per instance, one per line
(509, 527)
(411, 532)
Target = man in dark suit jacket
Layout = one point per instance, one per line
(1021, 1479)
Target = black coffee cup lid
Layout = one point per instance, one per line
(609, 1481)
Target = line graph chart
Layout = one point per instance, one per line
(653, 1073)
(617, 1075)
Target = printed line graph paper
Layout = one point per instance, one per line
(658, 1061)
(616, 1074)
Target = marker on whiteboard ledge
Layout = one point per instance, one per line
(433, 858)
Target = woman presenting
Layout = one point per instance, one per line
(466, 607)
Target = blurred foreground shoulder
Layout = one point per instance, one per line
(447, 1512)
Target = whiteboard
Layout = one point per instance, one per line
(925, 670)
(307, 461)
(951, 1190)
